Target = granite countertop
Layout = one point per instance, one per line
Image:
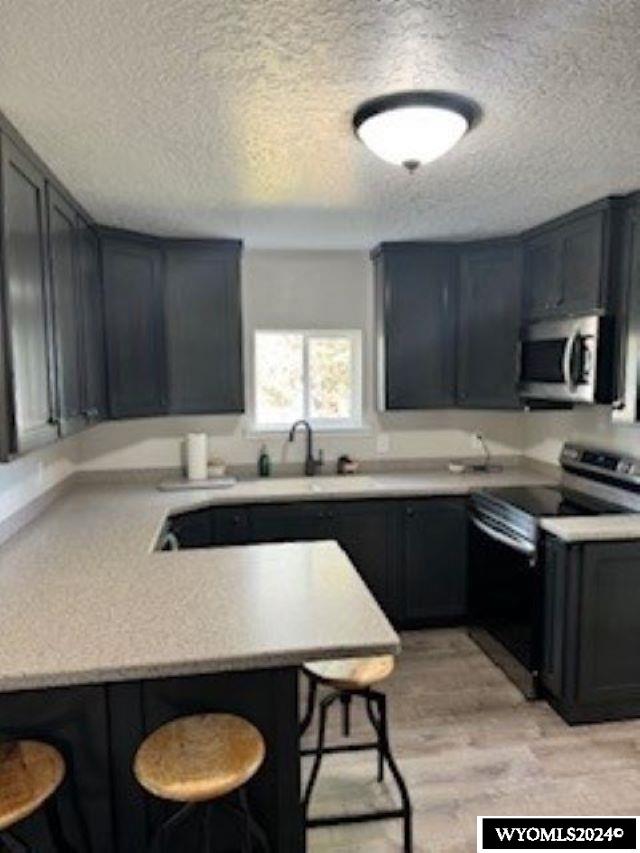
(599, 528)
(86, 598)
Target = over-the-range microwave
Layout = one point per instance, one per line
(568, 360)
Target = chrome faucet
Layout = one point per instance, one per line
(311, 464)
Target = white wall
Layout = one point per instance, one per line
(544, 432)
(304, 289)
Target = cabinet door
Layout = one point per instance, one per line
(416, 316)
(27, 301)
(231, 526)
(67, 311)
(134, 323)
(291, 522)
(194, 529)
(366, 530)
(554, 618)
(489, 331)
(434, 561)
(583, 285)
(542, 276)
(609, 629)
(74, 720)
(93, 343)
(204, 335)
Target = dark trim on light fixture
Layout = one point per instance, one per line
(467, 108)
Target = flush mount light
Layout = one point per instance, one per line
(413, 128)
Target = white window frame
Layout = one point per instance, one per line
(322, 424)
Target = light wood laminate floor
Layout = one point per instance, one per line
(469, 744)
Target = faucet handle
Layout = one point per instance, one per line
(320, 460)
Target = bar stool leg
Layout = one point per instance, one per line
(383, 734)
(157, 842)
(311, 705)
(254, 830)
(52, 815)
(345, 700)
(13, 844)
(376, 726)
(206, 826)
(326, 703)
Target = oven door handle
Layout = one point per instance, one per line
(520, 545)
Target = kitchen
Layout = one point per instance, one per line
(431, 361)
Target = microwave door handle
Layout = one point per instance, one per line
(520, 545)
(566, 359)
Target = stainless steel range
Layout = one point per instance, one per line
(506, 557)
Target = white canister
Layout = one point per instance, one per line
(196, 456)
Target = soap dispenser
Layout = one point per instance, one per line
(264, 462)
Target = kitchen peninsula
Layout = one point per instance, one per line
(105, 638)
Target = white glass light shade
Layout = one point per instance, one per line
(412, 134)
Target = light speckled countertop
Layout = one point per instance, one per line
(599, 528)
(85, 598)
(400, 485)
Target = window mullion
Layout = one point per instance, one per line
(306, 377)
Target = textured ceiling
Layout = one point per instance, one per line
(232, 118)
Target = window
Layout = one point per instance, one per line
(314, 375)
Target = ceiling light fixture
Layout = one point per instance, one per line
(413, 128)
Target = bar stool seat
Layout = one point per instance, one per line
(30, 772)
(352, 673)
(197, 760)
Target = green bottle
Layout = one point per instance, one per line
(264, 462)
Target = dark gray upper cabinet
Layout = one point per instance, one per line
(67, 311)
(133, 280)
(490, 299)
(94, 391)
(30, 419)
(415, 325)
(570, 263)
(204, 332)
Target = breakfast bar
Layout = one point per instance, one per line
(105, 638)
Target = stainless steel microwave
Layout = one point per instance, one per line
(568, 360)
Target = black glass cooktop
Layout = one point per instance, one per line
(539, 501)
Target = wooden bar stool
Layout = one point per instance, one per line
(30, 774)
(198, 760)
(349, 678)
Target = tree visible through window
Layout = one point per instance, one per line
(304, 374)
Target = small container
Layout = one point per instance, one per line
(264, 462)
(217, 468)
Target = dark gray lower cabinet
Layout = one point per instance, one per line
(99, 728)
(75, 721)
(591, 666)
(411, 554)
(134, 321)
(67, 311)
(294, 522)
(434, 561)
(367, 531)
